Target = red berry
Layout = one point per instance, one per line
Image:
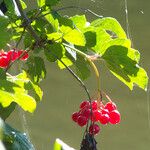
(86, 113)
(82, 121)
(104, 119)
(94, 105)
(84, 104)
(94, 129)
(12, 55)
(4, 62)
(24, 53)
(75, 116)
(96, 115)
(114, 117)
(110, 106)
(104, 111)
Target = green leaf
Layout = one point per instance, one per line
(16, 89)
(110, 24)
(55, 36)
(54, 51)
(23, 4)
(41, 3)
(60, 145)
(51, 2)
(66, 61)
(28, 85)
(79, 21)
(101, 39)
(113, 42)
(52, 21)
(36, 69)
(23, 100)
(10, 8)
(122, 62)
(5, 112)
(15, 140)
(90, 36)
(82, 68)
(73, 36)
(4, 34)
(65, 21)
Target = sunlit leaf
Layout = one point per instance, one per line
(28, 85)
(110, 24)
(41, 3)
(101, 39)
(123, 64)
(73, 36)
(79, 21)
(66, 61)
(60, 145)
(52, 21)
(23, 4)
(55, 36)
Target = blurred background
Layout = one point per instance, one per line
(62, 93)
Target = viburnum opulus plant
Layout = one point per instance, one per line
(42, 33)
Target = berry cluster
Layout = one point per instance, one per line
(95, 112)
(11, 56)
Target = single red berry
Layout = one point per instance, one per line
(115, 117)
(104, 119)
(94, 129)
(12, 55)
(4, 62)
(95, 115)
(82, 121)
(110, 106)
(94, 105)
(75, 116)
(86, 113)
(84, 104)
(24, 53)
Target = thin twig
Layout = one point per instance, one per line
(27, 21)
(80, 8)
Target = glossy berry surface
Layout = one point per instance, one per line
(104, 119)
(12, 55)
(114, 117)
(75, 116)
(84, 104)
(4, 61)
(94, 129)
(82, 121)
(110, 106)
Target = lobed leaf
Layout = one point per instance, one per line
(4, 34)
(122, 62)
(79, 22)
(110, 24)
(54, 51)
(36, 69)
(73, 36)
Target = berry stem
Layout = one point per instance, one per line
(89, 59)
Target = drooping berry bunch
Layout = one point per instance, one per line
(95, 112)
(11, 56)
